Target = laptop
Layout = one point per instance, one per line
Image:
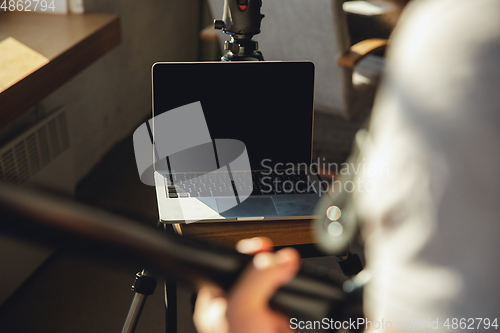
(260, 113)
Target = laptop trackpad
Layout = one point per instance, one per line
(251, 207)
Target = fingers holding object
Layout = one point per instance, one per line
(255, 245)
(267, 273)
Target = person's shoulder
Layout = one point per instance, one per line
(442, 25)
(442, 48)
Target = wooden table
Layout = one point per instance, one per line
(69, 43)
(282, 233)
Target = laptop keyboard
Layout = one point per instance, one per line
(216, 184)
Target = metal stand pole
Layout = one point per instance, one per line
(144, 286)
(171, 307)
(171, 295)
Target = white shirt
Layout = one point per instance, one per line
(432, 225)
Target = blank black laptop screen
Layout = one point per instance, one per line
(266, 105)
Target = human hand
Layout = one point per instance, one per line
(245, 308)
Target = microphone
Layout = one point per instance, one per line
(241, 19)
(86, 231)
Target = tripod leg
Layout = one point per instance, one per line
(134, 313)
(144, 286)
(171, 293)
(171, 306)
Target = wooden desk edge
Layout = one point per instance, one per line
(282, 233)
(19, 97)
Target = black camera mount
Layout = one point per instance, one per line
(241, 19)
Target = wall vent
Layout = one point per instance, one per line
(41, 155)
(28, 154)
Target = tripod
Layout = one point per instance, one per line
(144, 286)
(241, 19)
